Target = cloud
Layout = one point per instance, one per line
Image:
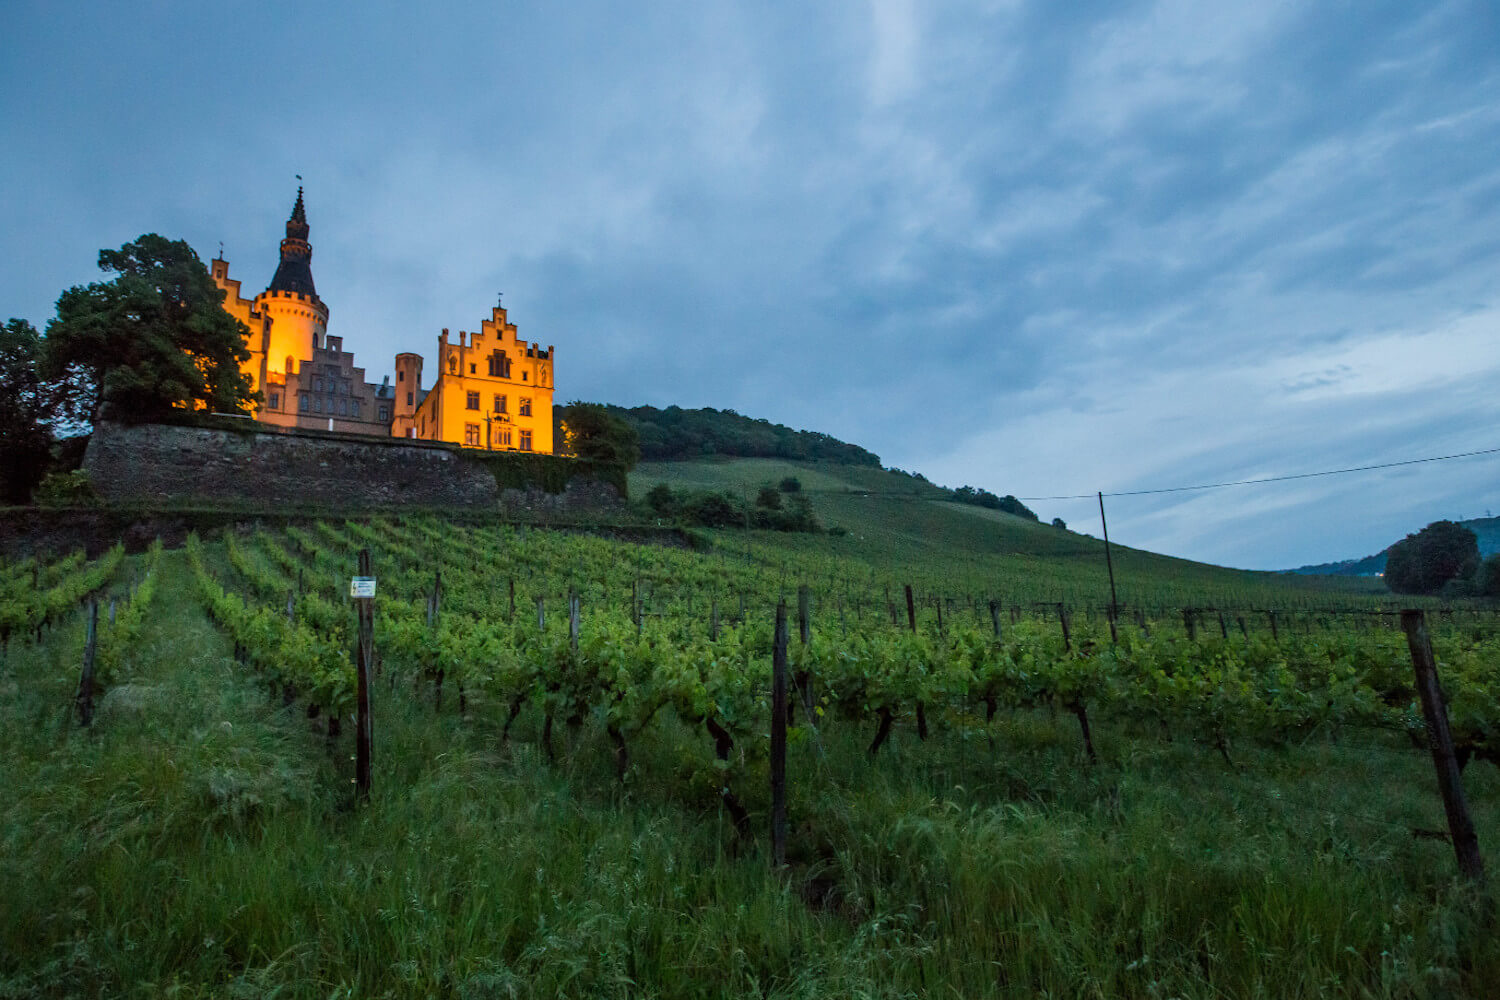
(1039, 248)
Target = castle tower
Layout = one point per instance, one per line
(299, 319)
(409, 394)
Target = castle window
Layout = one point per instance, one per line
(472, 367)
(384, 415)
(471, 435)
(354, 408)
(317, 385)
(473, 403)
(302, 402)
(525, 406)
(499, 403)
(401, 376)
(275, 400)
(317, 404)
(343, 407)
(505, 437)
(525, 440)
(408, 399)
(525, 376)
(499, 365)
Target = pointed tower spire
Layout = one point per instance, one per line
(294, 273)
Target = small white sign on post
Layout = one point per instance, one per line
(362, 586)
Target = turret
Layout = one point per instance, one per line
(408, 384)
(299, 317)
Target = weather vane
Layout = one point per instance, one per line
(221, 249)
(499, 300)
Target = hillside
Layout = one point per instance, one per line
(1486, 530)
(902, 529)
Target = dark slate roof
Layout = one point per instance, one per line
(294, 273)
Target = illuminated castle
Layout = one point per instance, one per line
(492, 391)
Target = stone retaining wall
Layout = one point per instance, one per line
(161, 463)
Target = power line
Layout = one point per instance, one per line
(1271, 479)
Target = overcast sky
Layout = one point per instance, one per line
(1042, 248)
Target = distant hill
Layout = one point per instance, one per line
(676, 435)
(1486, 529)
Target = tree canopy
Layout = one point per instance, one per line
(1422, 563)
(674, 434)
(25, 411)
(154, 338)
(592, 431)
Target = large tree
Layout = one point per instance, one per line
(154, 338)
(590, 430)
(25, 433)
(1424, 562)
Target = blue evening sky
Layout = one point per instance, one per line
(1042, 248)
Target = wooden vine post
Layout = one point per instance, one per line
(85, 696)
(778, 740)
(1440, 739)
(804, 633)
(364, 738)
(911, 621)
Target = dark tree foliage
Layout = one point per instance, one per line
(711, 509)
(984, 498)
(1422, 563)
(153, 339)
(594, 431)
(791, 484)
(1487, 578)
(675, 434)
(769, 498)
(1058, 522)
(25, 434)
(661, 500)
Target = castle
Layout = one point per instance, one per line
(492, 391)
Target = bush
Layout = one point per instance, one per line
(769, 498)
(1058, 522)
(791, 484)
(66, 489)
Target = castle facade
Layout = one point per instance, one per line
(493, 390)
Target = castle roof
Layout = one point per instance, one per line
(294, 273)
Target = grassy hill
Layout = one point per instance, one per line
(901, 529)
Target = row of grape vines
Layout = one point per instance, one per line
(570, 628)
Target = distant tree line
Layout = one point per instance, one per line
(676, 434)
(1007, 503)
(776, 508)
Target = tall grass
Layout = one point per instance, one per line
(199, 841)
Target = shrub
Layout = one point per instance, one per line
(66, 489)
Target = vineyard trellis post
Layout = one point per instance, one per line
(1440, 741)
(364, 739)
(85, 696)
(1109, 564)
(778, 739)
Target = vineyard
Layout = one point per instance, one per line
(1239, 772)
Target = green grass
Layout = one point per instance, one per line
(897, 533)
(199, 841)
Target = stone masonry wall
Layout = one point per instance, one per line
(160, 463)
